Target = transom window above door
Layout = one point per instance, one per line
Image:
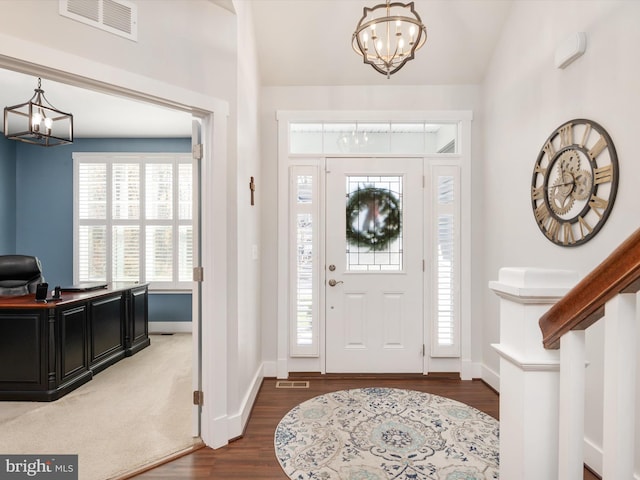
(373, 137)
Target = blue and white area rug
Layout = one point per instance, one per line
(387, 433)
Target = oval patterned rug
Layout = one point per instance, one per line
(387, 433)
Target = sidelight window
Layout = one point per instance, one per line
(446, 259)
(304, 260)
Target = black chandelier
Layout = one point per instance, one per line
(38, 122)
(388, 35)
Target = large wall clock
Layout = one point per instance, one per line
(574, 184)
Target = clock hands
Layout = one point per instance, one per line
(571, 184)
(556, 185)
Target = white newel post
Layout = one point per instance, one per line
(619, 403)
(529, 374)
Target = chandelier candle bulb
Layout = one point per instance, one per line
(35, 122)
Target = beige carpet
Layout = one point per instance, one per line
(130, 415)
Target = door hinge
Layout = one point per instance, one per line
(424, 181)
(424, 350)
(198, 397)
(196, 151)
(423, 265)
(198, 274)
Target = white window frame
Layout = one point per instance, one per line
(312, 349)
(457, 358)
(439, 169)
(111, 158)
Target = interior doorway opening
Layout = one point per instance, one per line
(204, 115)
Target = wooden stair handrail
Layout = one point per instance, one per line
(584, 304)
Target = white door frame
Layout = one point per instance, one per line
(464, 364)
(63, 67)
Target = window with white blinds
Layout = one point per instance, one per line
(304, 208)
(133, 218)
(445, 336)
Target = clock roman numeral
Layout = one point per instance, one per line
(567, 234)
(537, 193)
(566, 135)
(541, 213)
(598, 147)
(603, 174)
(597, 204)
(585, 136)
(547, 222)
(553, 229)
(584, 226)
(549, 150)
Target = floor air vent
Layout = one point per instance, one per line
(119, 17)
(292, 384)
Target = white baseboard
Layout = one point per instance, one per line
(239, 420)
(490, 377)
(170, 327)
(593, 457)
(269, 369)
(470, 370)
(214, 431)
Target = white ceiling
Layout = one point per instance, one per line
(96, 114)
(299, 42)
(308, 42)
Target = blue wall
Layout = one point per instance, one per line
(44, 208)
(169, 307)
(7, 196)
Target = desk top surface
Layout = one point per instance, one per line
(29, 300)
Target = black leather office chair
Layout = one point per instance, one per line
(19, 274)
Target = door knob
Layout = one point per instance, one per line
(333, 283)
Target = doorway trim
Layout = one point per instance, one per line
(464, 364)
(65, 68)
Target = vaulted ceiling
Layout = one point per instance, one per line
(299, 42)
(308, 42)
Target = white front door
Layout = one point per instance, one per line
(374, 268)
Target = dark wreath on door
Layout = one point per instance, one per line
(374, 223)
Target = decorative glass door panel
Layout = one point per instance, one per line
(374, 223)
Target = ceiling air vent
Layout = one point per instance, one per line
(114, 16)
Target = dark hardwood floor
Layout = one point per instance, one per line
(253, 457)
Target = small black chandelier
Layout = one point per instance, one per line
(38, 122)
(388, 35)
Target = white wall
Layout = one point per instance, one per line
(525, 99)
(245, 377)
(379, 98)
(194, 47)
(188, 44)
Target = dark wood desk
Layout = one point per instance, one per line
(49, 349)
